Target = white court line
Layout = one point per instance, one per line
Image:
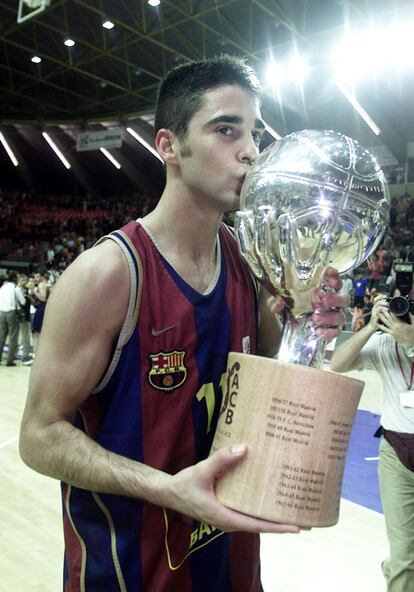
(379, 514)
(9, 441)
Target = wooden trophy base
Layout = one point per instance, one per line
(296, 422)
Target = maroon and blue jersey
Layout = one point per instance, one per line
(158, 404)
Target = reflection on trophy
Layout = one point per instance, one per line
(315, 199)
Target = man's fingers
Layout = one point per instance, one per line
(276, 304)
(326, 300)
(331, 278)
(231, 520)
(225, 458)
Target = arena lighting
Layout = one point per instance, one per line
(372, 51)
(36, 60)
(138, 138)
(108, 25)
(110, 158)
(357, 106)
(69, 42)
(55, 149)
(298, 68)
(272, 132)
(154, 2)
(8, 150)
(274, 74)
(295, 70)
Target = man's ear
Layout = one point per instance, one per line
(167, 146)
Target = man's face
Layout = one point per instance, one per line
(222, 141)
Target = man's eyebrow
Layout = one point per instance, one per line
(236, 119)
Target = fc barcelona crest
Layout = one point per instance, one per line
(167, 370)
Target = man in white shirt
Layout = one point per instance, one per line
(11, 299)
(391, 354)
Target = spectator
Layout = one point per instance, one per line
(40, 294)
(375, 268)
(24, 319)
(358, 320)
(10, 299)
(359, 285)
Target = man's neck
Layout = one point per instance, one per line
(186, 234)
(184, 227)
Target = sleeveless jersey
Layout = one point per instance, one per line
(158, 404)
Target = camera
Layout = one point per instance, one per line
(402, 305)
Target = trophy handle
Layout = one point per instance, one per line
(245, 238)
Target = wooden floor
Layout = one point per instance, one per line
(343, 558)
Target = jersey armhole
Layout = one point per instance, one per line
(134, 303)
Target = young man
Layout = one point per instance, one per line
(391, 354)
(39, 295)
(125, 391)
(11, 299)
(24, 319)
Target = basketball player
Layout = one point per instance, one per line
(125, 392)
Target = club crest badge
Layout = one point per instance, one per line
(167, 371)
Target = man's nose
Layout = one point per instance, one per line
(249, 151)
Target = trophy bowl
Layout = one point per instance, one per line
(313, 200)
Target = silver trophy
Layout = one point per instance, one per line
(312, 200)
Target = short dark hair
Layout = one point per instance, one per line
(180, 94)
(12, 276)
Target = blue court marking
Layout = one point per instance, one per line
(360, 483)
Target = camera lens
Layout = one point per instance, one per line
(399, 305)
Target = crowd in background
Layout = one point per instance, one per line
(53, 230)
(47, 233)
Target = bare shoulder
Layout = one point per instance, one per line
(84, 316)
(94, 288)
(105, 264)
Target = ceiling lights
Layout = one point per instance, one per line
(141, 140)
(56, 149)
(357, 106)
(295, 70)
(110, 158)
(108, 25)
(35, 59)
(8, 150)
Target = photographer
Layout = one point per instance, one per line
(391, 353)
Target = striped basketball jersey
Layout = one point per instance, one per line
(158, 404)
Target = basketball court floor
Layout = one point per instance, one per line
(342, 558)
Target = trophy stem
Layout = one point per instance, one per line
(300, 342)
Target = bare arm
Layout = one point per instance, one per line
(83, 318)
(347, 356)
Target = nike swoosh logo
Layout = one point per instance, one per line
(156, 333)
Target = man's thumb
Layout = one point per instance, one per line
(222, 460)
